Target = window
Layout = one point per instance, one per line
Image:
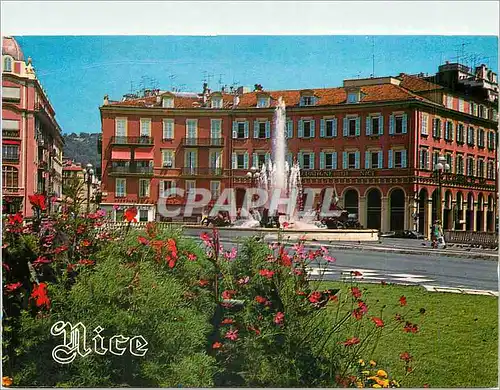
(143, 188)
(307, 101)
(330, 160)
(240, 160)
(491, 140)
(449, 161)
(165, 187)
(191, 128)
(306, 160)
(480, 168)
(11, 93)
(120, 188)
(7, 64)
(215, 159)
(191, 159)
(398, 124)
(436, 128)
(216, 129)
(262, 129)
(260, 159)
(289, 129)
(352, 127)
(168, 102)
(350, 160)
(375, 122)
(397, 158)
(353, 97)
(121, 127)
(435, 157)
(470, 136)
(448, 131)
(143, 215)
(480, 138)
(145, 127)
(168, 158)
(168, 129)
(470, 166)
(263, 102)
(482, 111)
(240, 129)
(460, 165)
(490, 172)
(10, 152)
(190, 186)
(215, 189)
(460, 133)
(373, 159)
(374, 125)
(306, 128)
(424, 158)
(424, 123)
(461, 105)
(328, 128)
(216, 102)
(10, 177)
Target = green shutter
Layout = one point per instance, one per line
(322, 160)
(334, 127)
(405, 123)
(391, 160)
(344, 160)
(256, 129)
(367, 159)
(322, 128)
(368, 126)
(358, 126)
(334, 160)
(392, 125)
(301, 129)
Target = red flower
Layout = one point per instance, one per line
(130, 214)
(362, 306)
(60, 249)
(227, 321)
(7, 268)
(356, 273)
(15, 219)
(205, 238)
(256, 330)
(356, 292)
(260, 300)
(402, 300)
(228, 294)
(41, 260)
(266, 273)
(86, 262)
(85, 243)
(191, 256)
(39, 294)
(278, 318)
(405, 356)
(301, 293)
(232, 335)
(351, 341)
(410, 328)
(334, 298)
(285, 259)
(172, 247)
(203, 282)
(38, 201)
(315, 297)
(11, 287)
(378, 322)
(143, 240)
(216, 345)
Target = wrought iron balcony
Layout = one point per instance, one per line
(124, 140)
(210, 142)
(10, 133)
(130, 170)
(195, 171)
(10, 157)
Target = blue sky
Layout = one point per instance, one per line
(77, 71)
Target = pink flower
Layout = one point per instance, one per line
(191, 256)
(244, 280)
(11, 287)
(285, 225)
(330, 259)
(266, 273)
(230, 255)
(232, 335)
(205, 237)
(116, 207)
(143, 240)
(228, 294)
(278, 318)
(324, 249)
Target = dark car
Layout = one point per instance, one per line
(406, 234)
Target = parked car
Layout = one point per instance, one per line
(403, 234)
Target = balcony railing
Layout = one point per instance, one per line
(11, 133)
(131, 170)
(194, 171)
(124, 140)
(10, 157)
(213, 142)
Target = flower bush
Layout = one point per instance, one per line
(212, 315)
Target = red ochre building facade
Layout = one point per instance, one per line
(32, 144)
(375, 140)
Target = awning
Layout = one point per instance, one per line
(11, 142)
(143, 155)
(120, 155)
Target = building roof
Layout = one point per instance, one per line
(11, 47)
(417, 84)
(325, 97)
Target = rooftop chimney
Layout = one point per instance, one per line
(236, 101)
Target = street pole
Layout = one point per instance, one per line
(88, 194)
(440, 202)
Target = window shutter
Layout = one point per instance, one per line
(322, 128)
(245, 160)
(403, 159)
(345, 127)
(434, 127)
(451, 164)
(421, 160)
(390, 166)
(235, 129)
(358, 126)
(334, 127)
(289, 126)
(368, 126)
(427, 160)
(311, 159)
(268, 129)
(313, 125)
(422, 127)
(289, 159)
(256, 129)
(161, 186)
(334, 160)
(381, 124)
(267, 158)
(405, 123)
(442, 129)
(380, 160)
(255, 160)
(356, 160)
(322, 160)
(451, 131)
(367, 159)
(234, 161)
(344, 160)
(391, 125)
(300, 159)
(246, 129)
(301, 128)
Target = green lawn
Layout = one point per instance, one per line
(457, 345)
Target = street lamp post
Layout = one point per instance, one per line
(89, 173)
(253, 174)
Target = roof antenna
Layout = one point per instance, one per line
(373, 57)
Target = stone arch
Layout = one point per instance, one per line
(480, 213)
(422, 214)
(447, 212)
(372, 188)
(397, 208)
(373, 208)
(469, 213)
(350, 197)
(435, 205)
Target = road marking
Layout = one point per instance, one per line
(460, 290)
